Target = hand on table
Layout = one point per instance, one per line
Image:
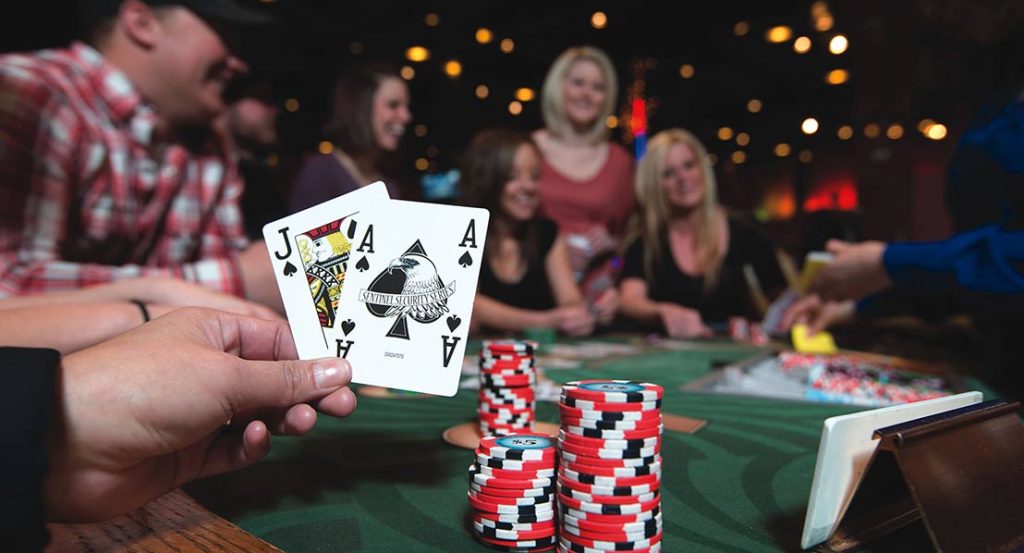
(573, 321)
(682, 322)
(818, 314)
(606, 305)
(142, 414)
(855, 271)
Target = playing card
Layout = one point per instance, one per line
(311, 252)
(405, 312)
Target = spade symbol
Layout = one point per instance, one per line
(347, 326)
(289, 269)
(363, 264)
(453, 322)
(466, 260)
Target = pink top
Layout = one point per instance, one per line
(604, 200)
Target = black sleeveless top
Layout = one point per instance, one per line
(533, 290)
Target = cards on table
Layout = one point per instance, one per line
(387, 284)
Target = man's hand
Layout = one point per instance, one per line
(856, 271)
(573, 320)
(148, 411)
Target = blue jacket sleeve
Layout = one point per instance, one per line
(983, 260)
(29, 380)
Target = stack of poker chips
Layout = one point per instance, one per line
(609, 474)
(508, 373)
(511, 490)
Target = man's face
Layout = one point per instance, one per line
(194, 68)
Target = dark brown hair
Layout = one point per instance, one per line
(486, 170)
(350, 125)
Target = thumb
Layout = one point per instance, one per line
(261, 384)
(836, 246)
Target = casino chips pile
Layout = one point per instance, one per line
(511, 490)
(609, 474)
(507, 376)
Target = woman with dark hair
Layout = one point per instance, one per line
(369, 113)
(526, 280)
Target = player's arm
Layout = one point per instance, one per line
(72, 327)
(635, 302)
(560, 278)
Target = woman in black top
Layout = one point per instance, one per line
(689, 263)
(526, 279)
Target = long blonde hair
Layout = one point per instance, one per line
(655, 214)
(553, 96)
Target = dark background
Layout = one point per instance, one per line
(909, 60)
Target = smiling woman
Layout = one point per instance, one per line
(369, 115)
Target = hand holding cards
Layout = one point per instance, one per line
(387, 284)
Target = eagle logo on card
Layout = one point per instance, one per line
(325, 253)
(409, 288)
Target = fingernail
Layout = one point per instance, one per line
(331, 374)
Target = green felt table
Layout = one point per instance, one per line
(384, 480)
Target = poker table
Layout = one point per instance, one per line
(384, 480)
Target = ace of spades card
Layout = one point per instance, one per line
(312, 251)
(411, 309)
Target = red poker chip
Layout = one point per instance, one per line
(498, 409)
(604, 406)
(512, 492)
(513, 346)
(608, 508)
(591, 414)
(602, 443)
(509, 394)
(594, 492)
(519, 545)
(607, 499)
(539, 518)
(492, 418)
(613, 391)
(609, 453)
(602, 434)
(602, 545)
(490, 522)
(614, 536)
(653, 467)
(508, 464)
(597, 461)
(607, 481)
(610, 519)
(516, 535)
(514, 474)
(513, 381)
(500, 508)
(509, 484)
(563, 548)
(605, 528)
(610, 425)
(501, 500)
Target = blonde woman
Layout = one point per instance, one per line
(585, 180)
(685, 267)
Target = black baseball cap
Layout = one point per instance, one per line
(230, 12)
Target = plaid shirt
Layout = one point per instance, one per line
(88, 195)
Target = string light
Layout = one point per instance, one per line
(838, 44)
(809, 126)
(801, 45)
(432, 19)
(325, 147)
(291, 104)
(408, 73)
(482, 91)
(924, 124)
(724, 133)
(420, 130)
(894, 132)
(611, 122)
(686, 71)
(805, 156)
(740, 28)
(453, 68)
(738, 157)
(837, 76)
(754, 105)
(845, 132)
(871, 130)
(936, 132)
(599, 20)
(524, 94)
(515, 108)
(782, 149)
(743, 139)
(778, 34)
(824, 23)
(507, 45)
(417, 54)
(484, 35)
(422, 164)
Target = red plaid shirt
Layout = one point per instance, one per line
(87, 196)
